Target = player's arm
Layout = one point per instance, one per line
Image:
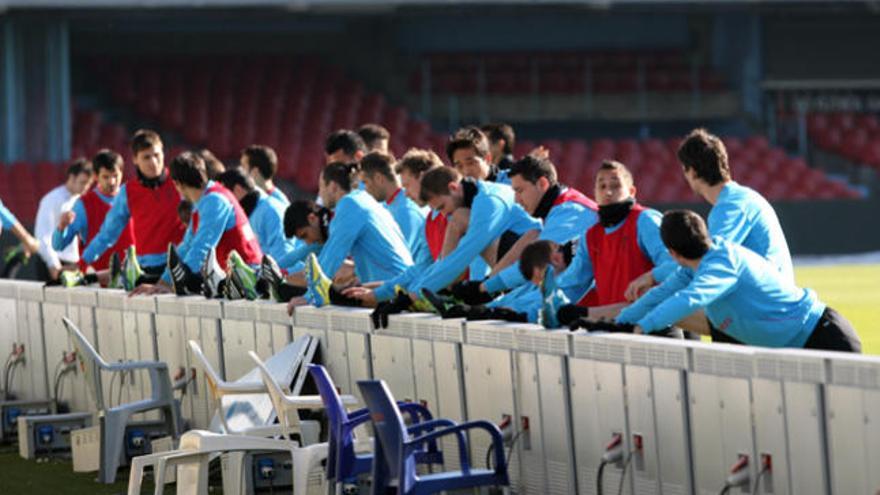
(115, 221)
(485, 225)
(711, 282)
(43, 228)
(8, 221)
(68, 230)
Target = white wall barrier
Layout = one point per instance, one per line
(685, 412)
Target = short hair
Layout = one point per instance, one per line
(296, 216)
(236, 177)
(144, 139)
(377, 162)
(79, 166)
(685, 232)
(371, 134)
(497, 132)
(213, 165)
(263, 158)
(535, 255)
(346, 140)
(418, 161)
(532, 168)
(468, 137)
(188, 169)
(616, 166)
(344, 174)
(706, 155)
(106, 159)
(435, 182)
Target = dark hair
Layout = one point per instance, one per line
(263, 158)
(468, 137)
(418, 161)
(615, 165)
(346, 140)
(188, 169)
(535, 255)
(377, 162)
(107, 160)
(236, 177)
(705, 153)
(531, 169)
(144, 139)
(497, 132)
(79, 166)
(435, 182)
(296, 216)
(344, 174)
(213, 165)
(685, 232)
(372, 134)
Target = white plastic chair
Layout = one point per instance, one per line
(113, 420)
(198, 447)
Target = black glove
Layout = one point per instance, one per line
(469, 292)
(508, 314)
(601, 326)
(568, 313)
(395, 306)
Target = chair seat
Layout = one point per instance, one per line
(453, 480)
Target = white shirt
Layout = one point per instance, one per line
(53, 204)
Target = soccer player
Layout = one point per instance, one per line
(150, 202)
(265, 213)
(344, 146)
(565, 212)
(414, 164)
(375, 137)
(742, 293)
(261, 163)
(502, 139)
(88, 213)
(739, 214)
(492, 212)
(377, 174)
(52, 206)
(360, 228)
(218, 223)
(468, 150)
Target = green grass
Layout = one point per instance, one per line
(55, 476)
(854, 291)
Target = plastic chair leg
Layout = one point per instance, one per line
(304, 460)
(112, 444)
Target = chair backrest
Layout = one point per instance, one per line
(340, 446)
(88, 360)
(202, 362)
(387, 421)
(276, 393)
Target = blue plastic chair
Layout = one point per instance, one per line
(344, 465)
(395, 450)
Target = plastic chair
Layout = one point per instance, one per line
(198, 447)
(344, 463)
(395, 449)
(114, 420)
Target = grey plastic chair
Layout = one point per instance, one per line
(114, 420)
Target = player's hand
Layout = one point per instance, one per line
(639, 286)
(31, 245)
(67, 218)
(638, 330)
(150, 290)
(540, 152)
(363, 294)
(293, 303)
(54, 273)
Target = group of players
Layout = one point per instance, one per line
(490, 237)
